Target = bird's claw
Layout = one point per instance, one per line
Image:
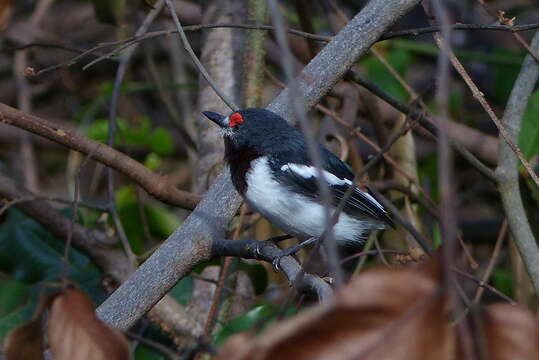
(276, 262)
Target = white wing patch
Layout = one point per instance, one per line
(308, 171)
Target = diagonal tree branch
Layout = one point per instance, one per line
(191, 244)
(507, 171)
(156, 185)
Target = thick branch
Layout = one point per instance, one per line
(267, 251)
(191, 244)
(156, 185)
(507, 171)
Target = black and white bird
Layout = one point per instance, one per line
(271, 169)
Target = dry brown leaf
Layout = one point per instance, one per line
(74, 332)
(383, 314)
(6, 7)
(511, 332)
(25, 342)
(393, 314)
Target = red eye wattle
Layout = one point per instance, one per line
(235, 119)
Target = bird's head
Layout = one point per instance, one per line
(254, 127)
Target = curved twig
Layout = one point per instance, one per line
(156, 185)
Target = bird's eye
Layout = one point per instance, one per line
(235, 119)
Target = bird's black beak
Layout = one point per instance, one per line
(216, 118)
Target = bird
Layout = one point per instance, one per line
(271, 168)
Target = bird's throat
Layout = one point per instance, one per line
(239, 160)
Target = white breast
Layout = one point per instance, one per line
(294, 213)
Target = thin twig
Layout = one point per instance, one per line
(120, 74)
(74, 213)
(424, 120)
(490, 288)
(226, 99)
(480, 97)
(150, 35)
(448, 220)
(492, 262)
(373, 252)
(298, 112)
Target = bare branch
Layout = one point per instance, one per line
(191, 244)
(507, 172)
(156, 185)
(123, 44)
(267, 251)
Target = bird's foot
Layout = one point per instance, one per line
(273, 240)
(276, 262)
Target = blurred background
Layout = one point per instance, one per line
(158, 123)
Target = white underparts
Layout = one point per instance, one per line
(294, 213)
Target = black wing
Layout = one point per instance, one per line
(301, 178)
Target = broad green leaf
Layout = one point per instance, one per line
(21, 314)
(16, 318)
(30, 254)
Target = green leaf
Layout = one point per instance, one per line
(183, 290)
(153, 161)
(529, 134)
(161, 142)
(140, 134)
(400, 59)
(145, 353)
(30, 254)
(13, 293)
(15, 318)
(22, 314)
(258, 315)
(128, 209)
(161, 221)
